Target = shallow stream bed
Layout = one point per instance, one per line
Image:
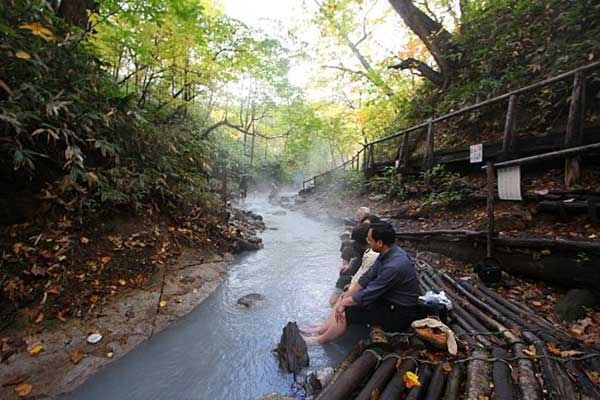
(222, 350)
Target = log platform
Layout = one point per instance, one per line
(506, 351)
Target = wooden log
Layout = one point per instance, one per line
(529, 387)
(508, 141)
(478, 377)
(454, 381)
(379, 380)
(347, 362)
(436, 384)
(503, 386)
(292, 351)
(565, 387)
(574, 128)
(424, 377)
(351, 379)
(587, 388)
(552, 261)
(395, 386)
(550, 384)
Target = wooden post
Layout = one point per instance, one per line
(573, 135)
(508, 141)
(491, 178)
(365, 151)
(429, 154)
(405, 156)
(371, 156)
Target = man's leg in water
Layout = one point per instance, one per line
(320, 329)
(335, 330)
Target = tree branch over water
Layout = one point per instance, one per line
(225, 122)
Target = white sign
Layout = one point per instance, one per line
(476, 155)
(509, 183)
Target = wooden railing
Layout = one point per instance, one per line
(365, 159)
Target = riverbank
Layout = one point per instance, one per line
(42, 359)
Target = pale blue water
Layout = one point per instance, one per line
(223, 351)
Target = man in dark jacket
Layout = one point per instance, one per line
(386, 294)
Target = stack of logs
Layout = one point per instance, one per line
(507, 351)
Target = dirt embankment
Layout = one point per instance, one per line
(170, 272)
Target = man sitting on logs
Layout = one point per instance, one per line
(386, 295)
(354, 252)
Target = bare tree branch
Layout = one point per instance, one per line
(342, 68)
(422, 69)
(225, 122)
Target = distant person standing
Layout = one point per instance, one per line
(244, 183)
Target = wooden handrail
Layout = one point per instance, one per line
(546, 156)
(481, 104)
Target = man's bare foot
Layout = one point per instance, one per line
(311, 330)
(311, 340)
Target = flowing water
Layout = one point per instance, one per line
(222, 350)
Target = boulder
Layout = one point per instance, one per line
(280, 212)
(248, 244)
(250, 300)
(571, 306)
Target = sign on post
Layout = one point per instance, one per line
(476, 154)
(509, 183)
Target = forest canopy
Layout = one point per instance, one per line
(121, 102)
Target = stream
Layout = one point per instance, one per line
(224, 351)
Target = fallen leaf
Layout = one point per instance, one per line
(53, 290)
(410, 380)
(17, 247)
(23, 55)
(105, 260)
(35, 350)
(553, 348)
(84, 240)
(530, 351)
(76, 356)
(122, 282)
(23, 389)
(39, 318)
(163, 303)
(594, 377)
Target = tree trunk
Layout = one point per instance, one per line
(75, 12)
(434, 37)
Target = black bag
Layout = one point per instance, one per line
(489, 271)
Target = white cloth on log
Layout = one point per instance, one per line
(431, 297)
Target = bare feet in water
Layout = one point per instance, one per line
(311, 340)
(312, 330)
